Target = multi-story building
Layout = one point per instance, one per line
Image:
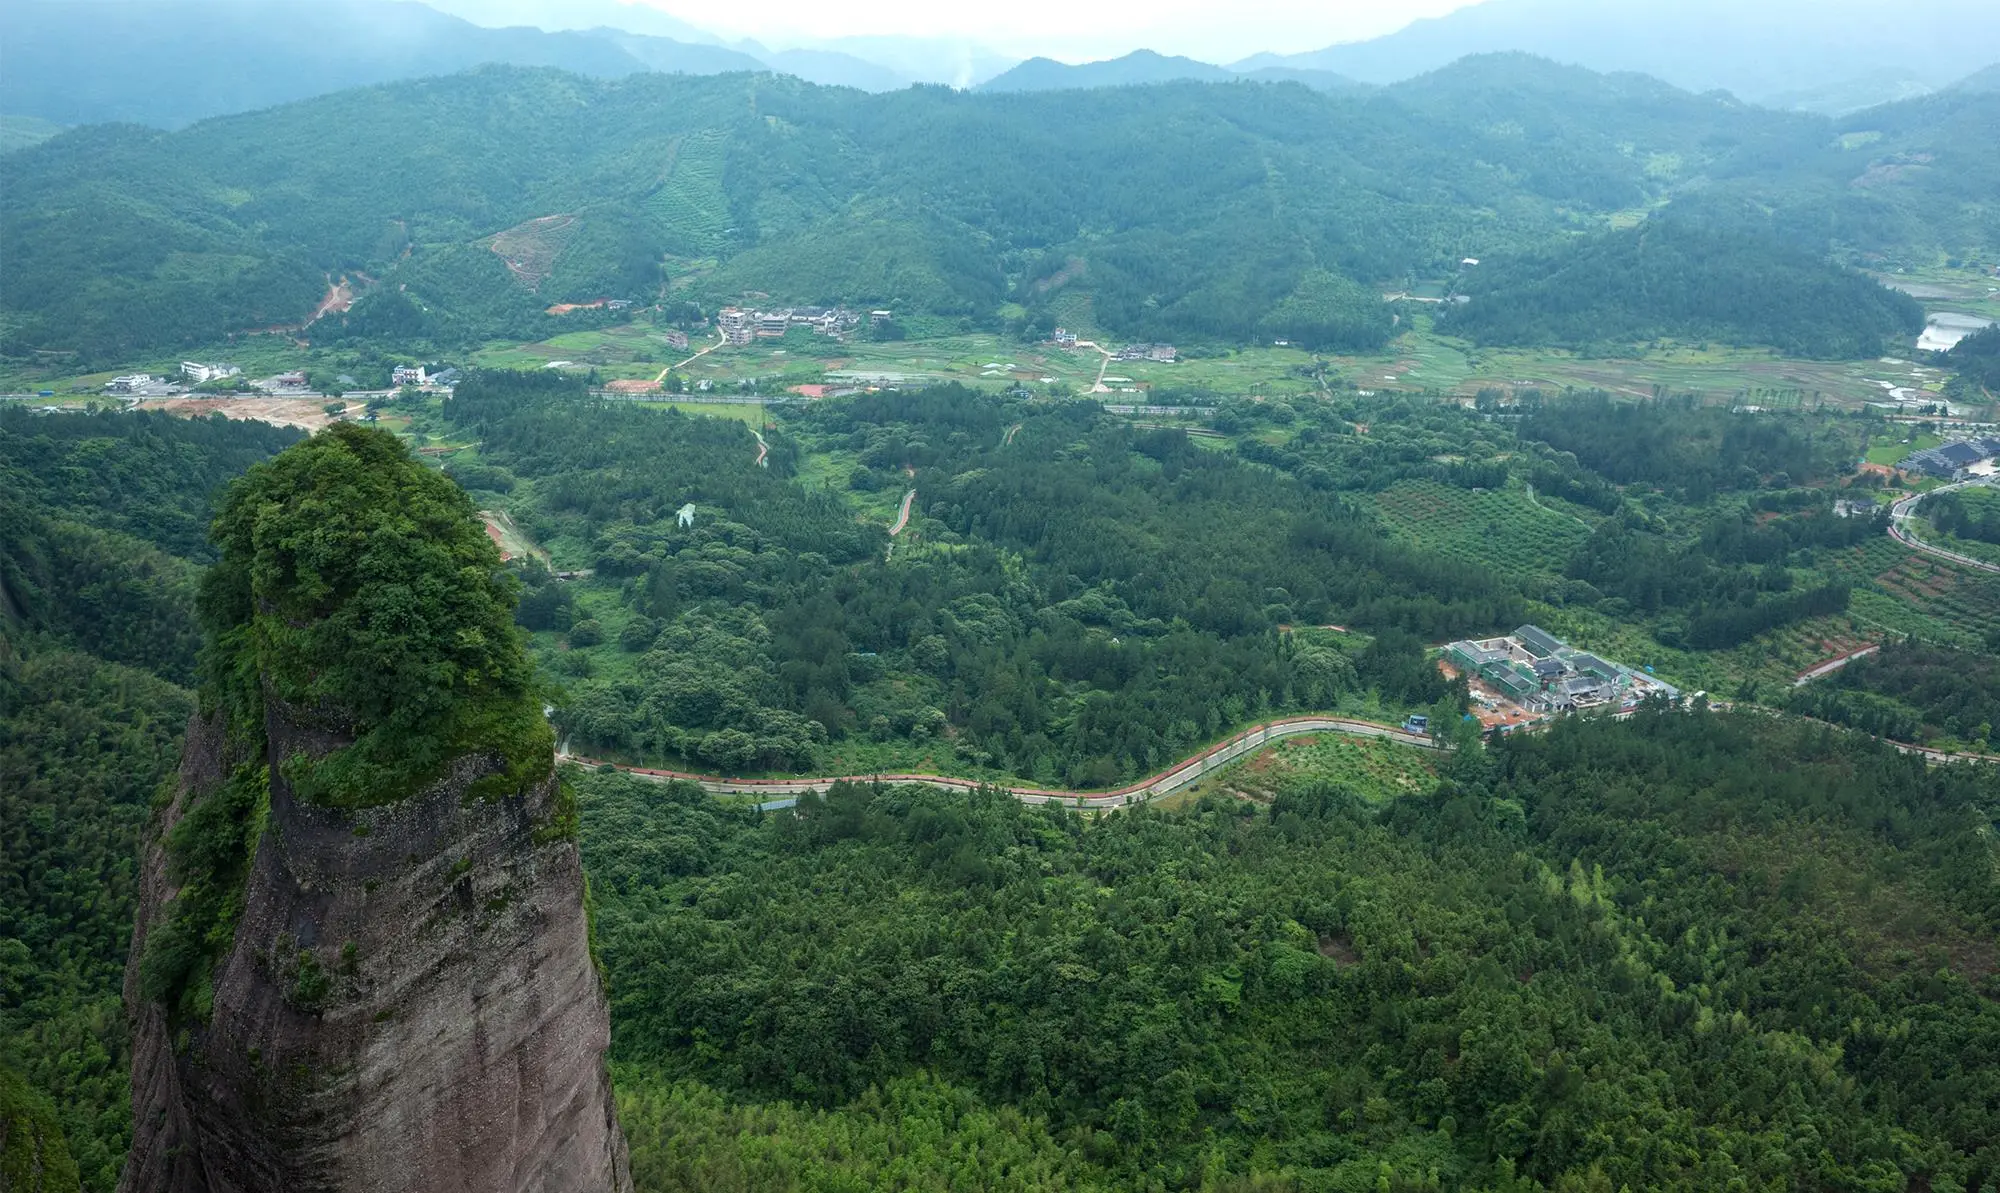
(735, 325)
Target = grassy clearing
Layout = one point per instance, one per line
(746, 412)
(630, 351)
(1940, 288)
(1893, 451)
(1373, 768)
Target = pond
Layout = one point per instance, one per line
(1946, 328)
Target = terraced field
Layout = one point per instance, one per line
(1908, 593)
(1503, 529)
(530, 248)
(689, 204)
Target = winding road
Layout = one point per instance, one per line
(1176, 778)
(1905, 511)
(763, 448)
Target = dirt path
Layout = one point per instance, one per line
(763, 448)
(510, 538)
(1104, 367)
(1176, 778)
(1832, 665)
(1007, 439)
(720, 340)
(1572, 517)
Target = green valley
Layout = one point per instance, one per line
(1228, 631)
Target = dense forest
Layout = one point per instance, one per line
(1084, 603)
(1912, 692)
(106, 520)
(1965, 513)
(1684, 952)
(1975, 365)
(1691, 450)
(1657, 954)
(1219, 212)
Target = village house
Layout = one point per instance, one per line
(199, 373)
(734, 324)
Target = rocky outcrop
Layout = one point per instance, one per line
(409, 1003)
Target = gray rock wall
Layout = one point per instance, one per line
(452, 1039)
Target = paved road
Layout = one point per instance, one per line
(1901, 513)
(763, 448)
(1176, 778)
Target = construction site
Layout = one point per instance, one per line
(1530, 675)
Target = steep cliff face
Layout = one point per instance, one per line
(409, 1002)
(361, 961)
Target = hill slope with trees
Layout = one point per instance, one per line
(106, 522)
(1671, 278)
(1686, 952)
(1185, 211)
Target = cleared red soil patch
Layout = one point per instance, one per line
(338, 300)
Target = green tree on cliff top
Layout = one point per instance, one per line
(357, 586)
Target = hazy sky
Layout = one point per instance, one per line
(1074, 30)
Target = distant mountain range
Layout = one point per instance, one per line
(1145, 66)
(1199, 212)
(1830, 56)
(168, 63)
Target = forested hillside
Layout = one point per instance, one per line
(106, 521)
(1672, 952)
(1688, 952)
(1202, 212)
(1914, 692)
(1670, 278)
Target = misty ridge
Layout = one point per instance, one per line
(69, 58)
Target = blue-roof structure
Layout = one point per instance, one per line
(1947, 458)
